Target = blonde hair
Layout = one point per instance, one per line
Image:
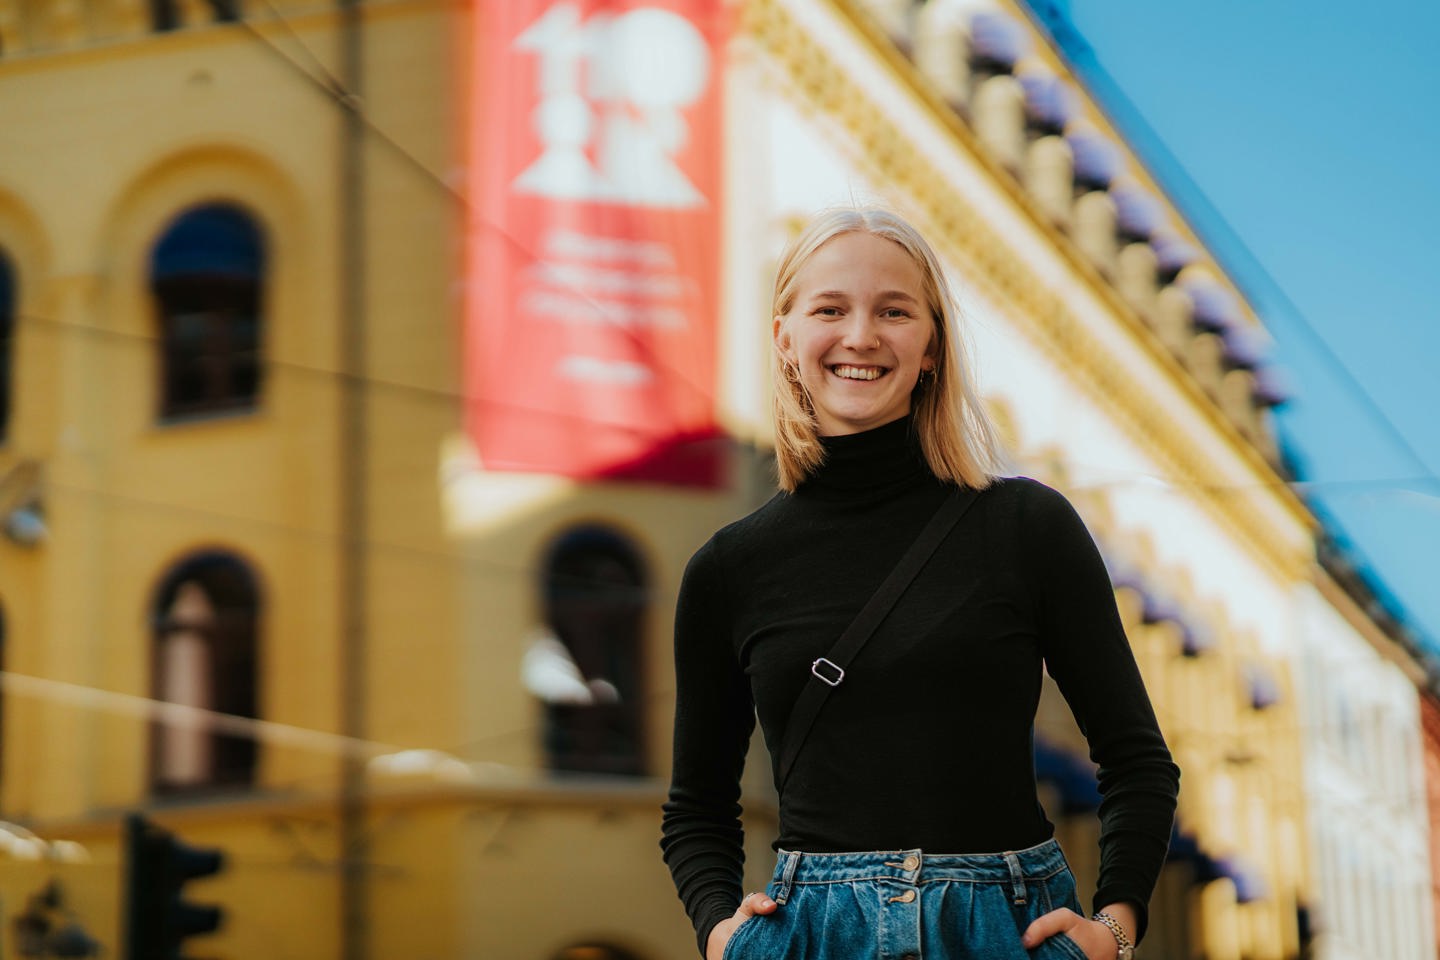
(956, 436)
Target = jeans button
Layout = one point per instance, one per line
(907, 897)
(910, 862)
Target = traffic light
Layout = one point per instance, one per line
(157, 867)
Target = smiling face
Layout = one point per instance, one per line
(859, 331)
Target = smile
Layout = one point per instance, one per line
(848, 372)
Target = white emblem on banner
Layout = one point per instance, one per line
(641, 70)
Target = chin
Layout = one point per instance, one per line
(858, 421)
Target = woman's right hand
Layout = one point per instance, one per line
(754, 905)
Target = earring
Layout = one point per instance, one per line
(792, 372)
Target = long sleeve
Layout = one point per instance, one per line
(1087, 653)
(702, 836)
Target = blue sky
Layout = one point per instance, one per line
(1312, 130)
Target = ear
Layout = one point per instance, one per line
(932, 353)
(782, 338)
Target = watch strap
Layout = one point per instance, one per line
(1125, 950)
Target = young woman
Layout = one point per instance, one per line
(909, 822)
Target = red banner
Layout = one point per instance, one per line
(594, 243)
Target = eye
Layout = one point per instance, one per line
(896, 313)
(826, 312)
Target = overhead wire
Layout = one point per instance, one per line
(457, 397)
(480, 772)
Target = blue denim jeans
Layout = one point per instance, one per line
(909, 905)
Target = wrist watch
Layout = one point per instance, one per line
(1125, 950)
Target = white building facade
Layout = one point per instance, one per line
(1121, 360)
(1364, 776)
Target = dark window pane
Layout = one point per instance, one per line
(595, 603)
(211, 241)
(207, 273)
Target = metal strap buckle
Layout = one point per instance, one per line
(839, 670)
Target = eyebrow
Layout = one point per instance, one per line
(884, 295)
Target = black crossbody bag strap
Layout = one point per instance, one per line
(829, 670)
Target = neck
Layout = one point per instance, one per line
(872, 462)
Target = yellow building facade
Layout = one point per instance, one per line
(129, 128)
(407, 792)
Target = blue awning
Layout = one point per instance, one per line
(1264, 687)
(1049, 103)
(1097, 160)
(1249, 885)
(1137, 213)
(997, 40)
(1246, 347)
(1195, 638)
(1172, 253)
(1272, 386)
(1216, 308)
(1073, 776)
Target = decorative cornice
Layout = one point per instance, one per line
(993, 266)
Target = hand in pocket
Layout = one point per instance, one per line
(754, 905)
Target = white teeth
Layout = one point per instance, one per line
(857, 373)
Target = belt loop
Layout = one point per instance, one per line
(787, 877)
(1017, 879)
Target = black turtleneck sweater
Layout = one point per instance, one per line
(927, 743)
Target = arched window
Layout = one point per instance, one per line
(207, 274)
(205, 620)
(7, 340)
(586, 663)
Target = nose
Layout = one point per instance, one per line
(861, 333)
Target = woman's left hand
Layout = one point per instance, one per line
(1092, 936)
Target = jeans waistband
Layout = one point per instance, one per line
(915, 866)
